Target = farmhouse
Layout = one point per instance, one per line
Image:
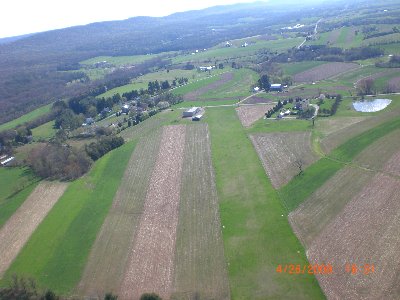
(190, 112)
(302, 105)
(276, 87)
(209, 68)
(125, 109)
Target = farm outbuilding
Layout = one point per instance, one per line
(191, 112)
(276, 87)
(197, 117)
(7, 161)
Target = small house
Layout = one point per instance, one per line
(125, 109)
(256, 89)
(302, 104)
(89, 121)
(276, 87)
(190, 112)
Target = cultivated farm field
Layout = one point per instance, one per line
(108, 257)
(324, 71)
(284, 154)
(200, 266)
(248, 114)
(150, 267)
(196, 94)
(376, 243)
(18, 229)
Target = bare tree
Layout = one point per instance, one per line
(365, 86)
(389, 88)
(299, 164)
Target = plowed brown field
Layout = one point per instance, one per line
(324, 71)
(248, 114)
(109, 255)
(200, 268)
(322, 207)
(281, 152)
(150, 267)
(18, 229)
(365, 232)
(192, 96)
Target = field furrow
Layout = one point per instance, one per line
(200, 267)
(322, 207)
(337, 138)
(109, 254)
(150, 267)
(284, 154)
(377, 154)
(194, 95)
(248, 114)
(364, 233)
(324, 71)
(18, 229)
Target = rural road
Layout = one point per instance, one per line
(315, 33)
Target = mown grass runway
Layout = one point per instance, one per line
(256, 232)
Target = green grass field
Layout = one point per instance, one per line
(301, 187)
(257, 235)
(15, 186)
(45, 131)
(230, 52)
(195, 85)
(347, 151)
(203, 103)
(26, 118)
(143, 81)
(298, 67)
(239, 86)
(121, 60)
(57, 252)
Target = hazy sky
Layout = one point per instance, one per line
(27, 16)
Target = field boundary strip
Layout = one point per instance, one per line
(18, 229)
(106, 263)
(200, 266)
(150, 267)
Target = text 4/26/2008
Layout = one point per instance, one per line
(324, 269)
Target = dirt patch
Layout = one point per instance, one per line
(200, 267)
(105, 268)
(150, 267)
(365, 232)
(257, 100)
(333, 36)
(283, 153)
(351, 34)
(248, 114)
(193, 96)
(18, 229)
(324, 71)
(393, 164)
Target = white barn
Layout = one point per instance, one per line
(191, 112)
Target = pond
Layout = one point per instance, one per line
(371, 106)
